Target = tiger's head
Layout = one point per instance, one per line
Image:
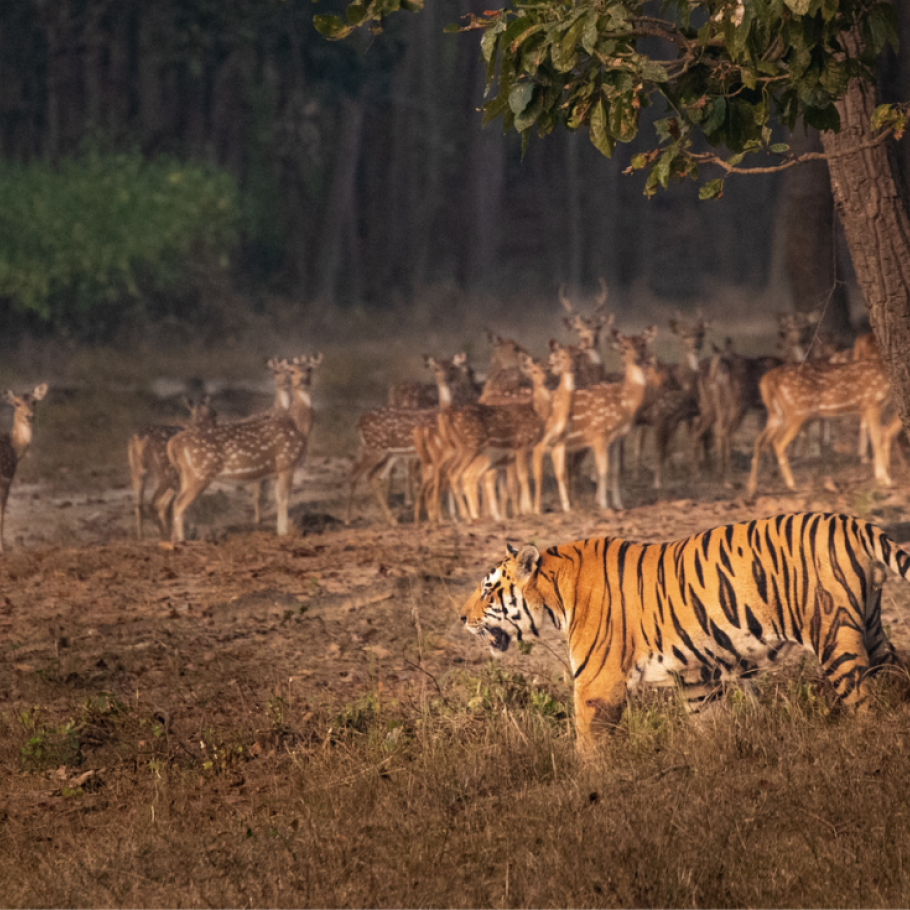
(506, 604)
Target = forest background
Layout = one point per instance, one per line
(158, 159)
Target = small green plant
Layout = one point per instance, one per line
(219, 756)
(276, 712)
(504, 689)
(49, 746)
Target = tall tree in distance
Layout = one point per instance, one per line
(735, 77)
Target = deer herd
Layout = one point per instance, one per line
(477, 448)
(472, 443)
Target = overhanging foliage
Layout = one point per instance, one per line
(727, 71)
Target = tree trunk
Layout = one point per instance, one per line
(872, 203)
(811, 257)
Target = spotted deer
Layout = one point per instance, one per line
(387, 434)
(592, 418)
(268, 445)
(412, 394)
(14, 445)
(505, 383)
(794, 393)
(671, 395)
(728, 388)
(483, 438)
(147, 454)
(588, 365)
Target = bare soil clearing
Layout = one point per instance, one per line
(241, 612)
(171, 715)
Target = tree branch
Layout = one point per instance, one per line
(707, 158)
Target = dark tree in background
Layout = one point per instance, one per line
(737, 75)
(363, 170)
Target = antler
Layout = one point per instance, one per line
(604, 293)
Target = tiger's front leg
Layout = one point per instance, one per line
(845, 662)
(598, 708)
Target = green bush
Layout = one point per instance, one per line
(102, 228)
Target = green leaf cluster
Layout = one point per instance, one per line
(104, 227)
(728, 72)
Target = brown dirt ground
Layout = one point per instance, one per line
(318, 616)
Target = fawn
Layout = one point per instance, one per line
(14, 445)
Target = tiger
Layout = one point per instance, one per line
(698, 611)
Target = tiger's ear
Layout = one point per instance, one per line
(526, 562)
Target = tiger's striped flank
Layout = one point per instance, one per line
(697, 611)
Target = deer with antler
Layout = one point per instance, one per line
(587, 363)
(593, 418)
(794, 393)
(15, 444)
(147, 454)
(271, 444)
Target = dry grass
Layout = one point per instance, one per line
(463, 790)
(469, 794)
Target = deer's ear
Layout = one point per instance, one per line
(40, 391)
(650, 333)
(526, 562)
(316, 359)
(459, 359)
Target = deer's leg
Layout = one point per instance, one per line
(638, 437)
(375, 478)
(887, 434)
(863, 440)
(457, 466)
(283, 483)
(368, 460)
(537, 467)
(558, 455)
(4, 495)
(521, 470)
(763, 439)
(490, 476)
(139, 494)
(258, 487)
(602, 464)
(436, 486)
(480, 470)
(190, 488)
(162, 498)
(663, 433)
(880, 448)
(781, 441)
(137, 474)
(612, 468)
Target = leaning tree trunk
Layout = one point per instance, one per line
(872, 203)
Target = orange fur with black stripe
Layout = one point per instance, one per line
(694, 612)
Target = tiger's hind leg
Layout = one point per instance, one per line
(881, 651)
(845, 661)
